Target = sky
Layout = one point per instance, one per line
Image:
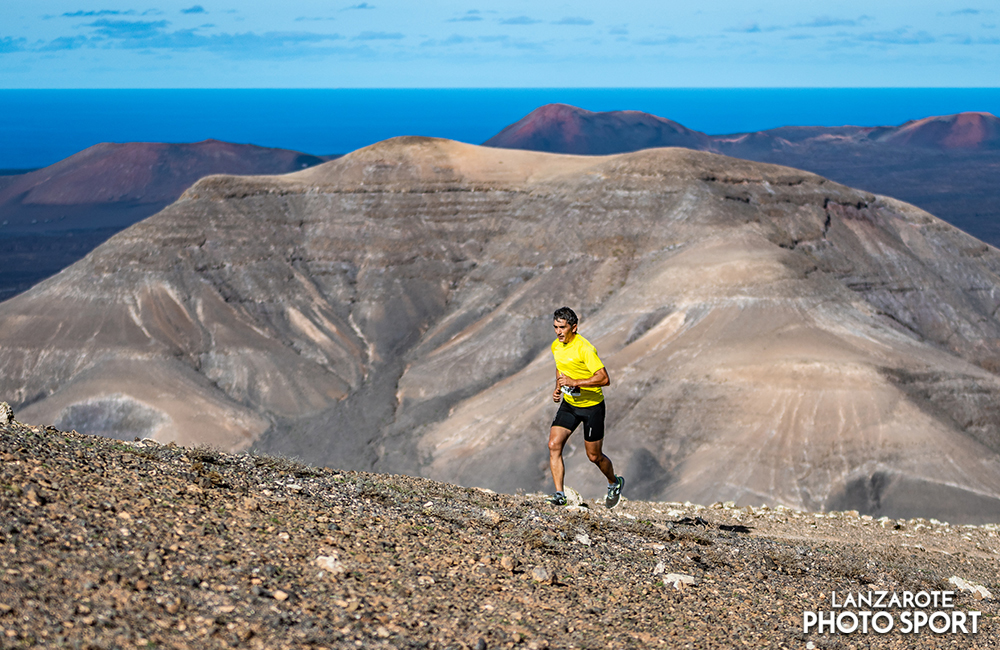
(494, 44)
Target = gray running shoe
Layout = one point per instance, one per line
(614, 493)
(558, 499)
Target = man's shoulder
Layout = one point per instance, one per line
(587, 350)
(583, 343)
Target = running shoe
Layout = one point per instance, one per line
(614, 493)
(558, 499)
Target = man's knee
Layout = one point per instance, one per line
(595, 456)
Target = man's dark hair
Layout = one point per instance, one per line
(566, 314)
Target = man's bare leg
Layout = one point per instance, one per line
(557, 440)
(595, 452)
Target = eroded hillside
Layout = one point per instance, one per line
(772, 337)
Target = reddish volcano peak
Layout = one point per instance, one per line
(561, 128)
(960, 131)
(146, 172)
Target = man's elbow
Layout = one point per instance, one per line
(605, 378)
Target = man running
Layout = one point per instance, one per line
(579, 377)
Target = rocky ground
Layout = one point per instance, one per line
(105, 544)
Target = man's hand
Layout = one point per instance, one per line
(564, 380)
(557, 393)
(599, 378)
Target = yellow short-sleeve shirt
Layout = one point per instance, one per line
(578, 360)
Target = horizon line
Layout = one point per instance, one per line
(502, 88)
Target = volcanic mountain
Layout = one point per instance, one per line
(962, 131)
(771, 336)
(51, 217)
(567, 129)
(561, 128)
(947, 165)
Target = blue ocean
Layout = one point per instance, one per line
(40, 127)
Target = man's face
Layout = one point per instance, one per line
(564, 331)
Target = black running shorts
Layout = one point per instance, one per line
(569, 417)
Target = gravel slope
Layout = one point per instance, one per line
(105, 544)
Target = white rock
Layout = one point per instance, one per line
(583, 538)
(979, 592)
(573, 497)
(660, 568)
(541, 574)
(678, 580)
(331, 563)
(492, 516)
(6, 413)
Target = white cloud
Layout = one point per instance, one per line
(663, 40)
(519, 20)
(378, 36)
(827, 21)
(900, 36)
(9, 44)
(454, 39)
(99, 12)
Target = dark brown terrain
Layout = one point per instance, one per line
(773, 337)
(111, 544)
(947, 165)
(51, 217)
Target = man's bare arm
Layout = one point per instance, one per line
(596, 380)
